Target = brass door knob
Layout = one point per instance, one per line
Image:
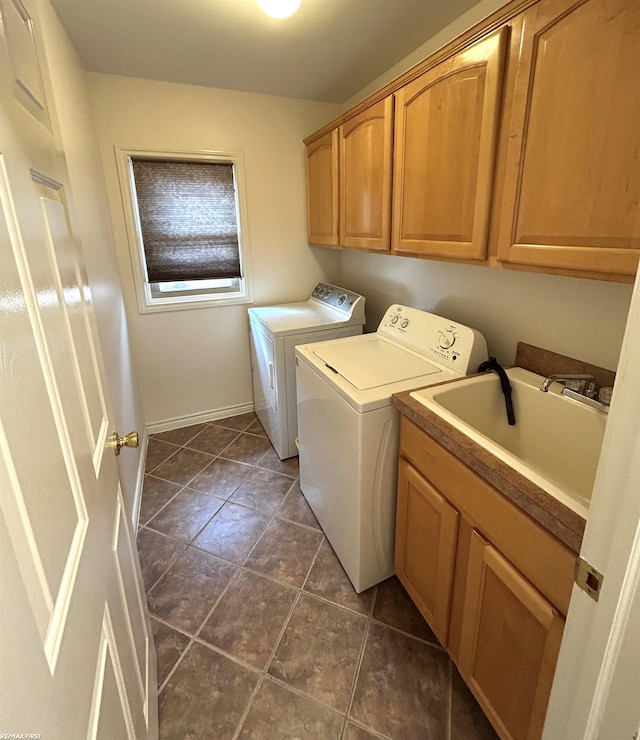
(129, 440)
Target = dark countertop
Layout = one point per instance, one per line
(550, 513)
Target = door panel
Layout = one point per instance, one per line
(130, 599)
(48, 532)
(322, 190)
(27, 85)
(427, 532)
(68, 563)
(366, 155)
(110, 711)
(445, 144)
(509, 643)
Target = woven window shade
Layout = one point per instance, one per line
(188, 219)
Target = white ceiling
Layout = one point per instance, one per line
(327, 51)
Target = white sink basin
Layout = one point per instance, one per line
(555, 442)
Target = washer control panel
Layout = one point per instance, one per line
(447, 343)
(341, 299)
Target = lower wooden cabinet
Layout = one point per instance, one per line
(427, 527)
(491, 582)
(509, 644)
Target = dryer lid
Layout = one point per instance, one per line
(374, 363)
(298, 318)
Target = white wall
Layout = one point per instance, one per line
(584, 319)
(197, 361)
(92, 223)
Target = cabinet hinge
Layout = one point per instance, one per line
(588, 578)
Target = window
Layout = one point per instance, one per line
(184, 213)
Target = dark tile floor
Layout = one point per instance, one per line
(258, 631)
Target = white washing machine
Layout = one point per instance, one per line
(348, 430)
(331, 312)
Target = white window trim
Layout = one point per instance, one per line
(146, 302)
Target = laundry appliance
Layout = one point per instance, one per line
(348, 429)
(329, 313)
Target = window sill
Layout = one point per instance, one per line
(159, 305)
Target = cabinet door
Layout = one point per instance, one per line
(322, 190)
(445, 144)
(572, 185)
(509, 644)
(366, 142)
(426, 534)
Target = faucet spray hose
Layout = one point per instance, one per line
(493, 365)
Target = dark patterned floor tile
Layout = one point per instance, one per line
(157, 453)
(403, 686)
(328, 580)
(468, 721)
(285, 552)
(221, 478)
(319, 651)
(180, 436)
(170, 645)
(248, 620)
(184, 516)
(155, 494)
(182, 466)
(256, 428)
(263, 490)
(247, 448)
(296, 508)
(271, 461)
(157, 553)
(184, 596)
(205, 698)
(277, 712)
(213, 439)
(232, 532)
(394, 607)
(240, 422)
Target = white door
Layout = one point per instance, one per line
(596, 690)
(76, 659)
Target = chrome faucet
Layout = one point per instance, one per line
(582, 388)
(588, 383)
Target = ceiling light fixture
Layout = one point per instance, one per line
(279, 8)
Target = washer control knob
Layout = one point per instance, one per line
(342, 299)
(404, 324)
(394, 319)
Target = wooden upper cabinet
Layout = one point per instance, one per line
(572, 185)
(366, 142)
(445, 147)
(322, 190)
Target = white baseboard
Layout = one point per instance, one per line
(184, 421)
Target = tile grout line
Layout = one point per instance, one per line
(249, 706)
(274, 650)
(356, 676)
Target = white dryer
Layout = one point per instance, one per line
(348, 430)
(331, 312)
